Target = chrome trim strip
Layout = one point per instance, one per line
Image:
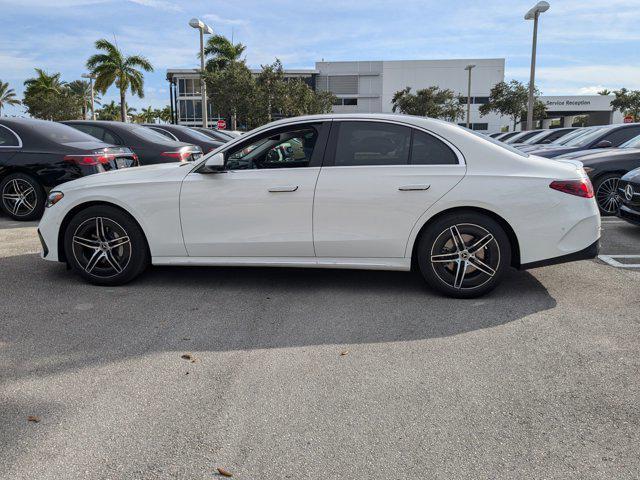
(16, 135)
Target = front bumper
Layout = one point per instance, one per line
(585, 254)
(629, 214)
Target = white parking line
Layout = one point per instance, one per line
(611, 260)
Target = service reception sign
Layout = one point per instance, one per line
(578, 103)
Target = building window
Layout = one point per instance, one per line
(475, 126)
(338, 84)
(350, 102)
(480, 100)
(188, 87)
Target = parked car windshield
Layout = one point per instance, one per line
(570, 136)
(199, 135)
(535, 138)
(633, 143)
(587, 138)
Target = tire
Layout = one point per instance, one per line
(468, 270)
(605, 193)
(22, 197)
(105, 246)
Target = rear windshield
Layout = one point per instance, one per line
(506, 146)
(59, 133)
(199, 135)
(148, 134)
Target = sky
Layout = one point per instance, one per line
(584, 46)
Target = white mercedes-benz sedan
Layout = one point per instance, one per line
(386, 192)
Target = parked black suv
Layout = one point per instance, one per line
(37, 155)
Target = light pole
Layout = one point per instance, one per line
(469, 68)
(203, 28)
(533, 14)
(91, 78)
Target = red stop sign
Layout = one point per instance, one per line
(222, 124)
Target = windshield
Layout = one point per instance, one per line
(536, 137)
(200, 135)
(506, 146)
(633, 143)
(587, 138)
(570, 136)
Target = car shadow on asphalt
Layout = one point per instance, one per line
(55, 322)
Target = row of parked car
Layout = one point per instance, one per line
(608, 154)
(36, 155)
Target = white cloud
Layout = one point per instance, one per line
(213, 18)
(160, 4)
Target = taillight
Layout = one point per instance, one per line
(89, 159)
(135, 158)
(181, 155)
(580, 188)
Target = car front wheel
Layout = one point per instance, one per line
(21, 197)
(105, 246)
(464, 255)
(607, 194)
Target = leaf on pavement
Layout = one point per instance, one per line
(33, 418)
(344, 352)
(224, 473)
(187, 356)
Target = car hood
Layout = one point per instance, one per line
(584, 153)
(146, 173)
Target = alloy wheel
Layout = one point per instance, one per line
(607, 197)
(102, 247)
(19, 197)
(465, 256)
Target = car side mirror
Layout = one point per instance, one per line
(214, 164)
(603, 144)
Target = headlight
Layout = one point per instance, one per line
(53, 198)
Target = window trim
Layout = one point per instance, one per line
(15, 135)
(173, 137)
(330, 151)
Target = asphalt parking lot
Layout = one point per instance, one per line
(318, 374)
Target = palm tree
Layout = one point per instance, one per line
(148, 115)
(82, 90)
(7, 96)
(109, 111)
(43, 83)
(222, 52)
(114, 67)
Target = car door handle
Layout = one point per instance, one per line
(284, 188)
(409, 188)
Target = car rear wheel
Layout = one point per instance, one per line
(606, 194)
(464, 255)
(105, 246)
(21, 197)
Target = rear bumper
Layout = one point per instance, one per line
(585, 254)
(629, 214)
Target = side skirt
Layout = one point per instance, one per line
(590, 252)
(400, 264)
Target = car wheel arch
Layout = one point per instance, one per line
(83, 206)
(511, 234)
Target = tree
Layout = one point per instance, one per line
(604, 92)
(113, 67)
(82, 89)
(511, 100)
(271, 89)
(233, 90)
(109, 111)
(431, 102)
(148, 115)
(222, 52)
(164, 114)
(627, 102)
(7, 96)
(47, 96)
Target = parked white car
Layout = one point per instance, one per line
(367, 191)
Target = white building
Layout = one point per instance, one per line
(369, 86)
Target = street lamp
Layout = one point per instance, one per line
(203, 28)
(91, 78)
(533, 14)
(469, 68)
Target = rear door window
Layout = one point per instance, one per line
(429, 150)
(372, 143)
(622, 135)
